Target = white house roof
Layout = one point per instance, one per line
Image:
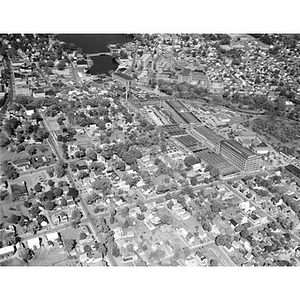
(7, 249)
(52, 236)
(34, 242)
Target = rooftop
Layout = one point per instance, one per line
(123, 76)
(177, 105)
(209, 134)
(293, 169)
(189, 117)
(233, 144)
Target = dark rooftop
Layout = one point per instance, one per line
(209, 134)
(293, 169)
(233, 144)
(123, 76)
(189, 117)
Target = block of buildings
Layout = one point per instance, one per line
(243, 158)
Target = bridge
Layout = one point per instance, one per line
(98, 54)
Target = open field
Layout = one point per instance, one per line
(52, 123)
(82, 139)
(53, 257)
(11, 156)
(32, 179)
(14, 262)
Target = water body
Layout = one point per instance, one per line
(93, 43)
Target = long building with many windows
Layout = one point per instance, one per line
(208, 137)
(239, 156)
(180, 114)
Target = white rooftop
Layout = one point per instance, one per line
(52, 236)
(34, 242)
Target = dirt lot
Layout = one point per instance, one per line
(53, 125)
(53, 257)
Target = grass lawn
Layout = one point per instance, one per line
(14, 262)
(83, 139)
(11, 156)
(6, 155)
(71, 233)
(55, 256)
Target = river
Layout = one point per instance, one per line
(93, 43)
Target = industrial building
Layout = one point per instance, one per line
(208, 137)
(180, 114)
(239, 156)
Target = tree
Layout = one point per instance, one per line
(25, 254)
(9, 171)
(14, 219)
(170, 204)
(222, 240)
(27, 204)
(166, 219)
(208, 168)
(4, 140)
(76, 216)
(125, 212)
(60, 169)
(63, 202)
(115, 251)
(97, 167)
(49, 205)
(216, 206)
(57, 192)
(120, 165)
(140, 217)
(41, 134)
(92, 155)
(35, 210)
(189, 161)
(157, 161)
(51, 182)
(161, 189)
(73, 192)
(112, 219)
(101, 248)
(73, 166)
(87, 249)
(168, 196)
(50, 172)
(206, 180)
(38, 188)
(113, 212)
(213, 263)
(61, 65)
(214, 172)
(101, 184)
(194, 181)
(4, 195)
(69, 244)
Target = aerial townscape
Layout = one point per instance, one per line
(186, 153)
